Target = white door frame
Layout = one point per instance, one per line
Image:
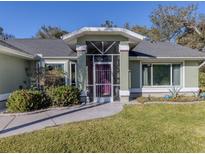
(101, 100)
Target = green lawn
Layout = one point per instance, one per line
(138, 128)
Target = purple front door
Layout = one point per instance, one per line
(103, 83)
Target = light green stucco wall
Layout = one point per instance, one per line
(134, 67)
(191, 74)
(124, 68)
(12, 73)
(83, 39)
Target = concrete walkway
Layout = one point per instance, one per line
(13, 125)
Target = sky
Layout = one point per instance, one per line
(23, 19)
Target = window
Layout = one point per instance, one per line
(146, 73)
(176, 74)
(73, 73)
(161, 74)
(54, 74)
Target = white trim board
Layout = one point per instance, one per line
(124, 93)
(162, 90)
(4, 97)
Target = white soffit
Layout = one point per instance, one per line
(103, 30)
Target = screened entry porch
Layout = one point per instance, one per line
(103, 71)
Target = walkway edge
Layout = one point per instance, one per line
(76, 107)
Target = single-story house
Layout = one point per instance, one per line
(107, 64)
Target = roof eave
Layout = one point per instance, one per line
(166, 58)
(16, 53)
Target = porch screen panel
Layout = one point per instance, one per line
(89, 64)
(90, 88)
(90, 93)
(116, 69)
(116, 77)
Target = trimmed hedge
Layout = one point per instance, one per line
(30, 100)
(26, 100)
(63, 95)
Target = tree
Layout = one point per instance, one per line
(108, 24)
(195, 37)
(127, 26)
(48, 32)
(173, 21)
(4, 35)
(151, 33)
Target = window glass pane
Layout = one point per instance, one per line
(54, 75)
(59, 67)
(176, 74)
(146, 75)
(73, 79)
(161, 74)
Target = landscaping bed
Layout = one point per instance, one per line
(178, 99)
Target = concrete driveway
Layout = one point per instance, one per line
(18, 124)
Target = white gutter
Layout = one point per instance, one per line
(60, 57)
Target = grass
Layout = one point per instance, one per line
(138, 128)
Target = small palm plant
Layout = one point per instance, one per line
(174, 91)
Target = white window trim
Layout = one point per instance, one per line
(75, 73)
(64, 62)
(162, 90)
(163, 86)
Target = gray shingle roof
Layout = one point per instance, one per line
(164, 49)
(47, 47)
(5, 44)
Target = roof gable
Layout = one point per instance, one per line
(103, 31)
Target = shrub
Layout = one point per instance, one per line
(26, 100)
(64, 95)
(202, 80)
